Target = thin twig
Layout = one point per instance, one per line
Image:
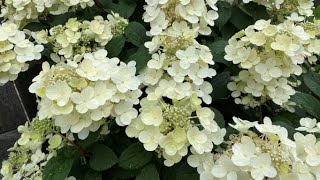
(83, 151)
(100, 8)
(21, 103)
(260, 112)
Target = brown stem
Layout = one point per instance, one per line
(261, 117)
(100, 8)
(78, 147)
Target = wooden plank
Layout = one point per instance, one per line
(12, 112)
(17, 105)
(7, 140)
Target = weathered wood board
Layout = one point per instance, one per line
(7, 140)
(17, 105)
(12, 110)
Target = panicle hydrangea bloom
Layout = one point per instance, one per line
(23, 11)
(271, 155)
(175, 80)
(179, 65)
(80, 95)
(287, 7)
(268, 55)
(76, 38)
(171, 128)
(161, 14)
(30, 154)
(15, 50)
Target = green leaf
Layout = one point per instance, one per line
(136, 34)
(102, 157)
(219, 84)
(141, 57)
(218, 46)
(58, 167)
(228, 30)
(93, 175)
(115, 46)
(180, 171)
(148, 173)
(134, 157)
(255, 10)
(91, 139)
(217, 50)
(47, 50)
(55, 20)
(312, 81)
(308, 103)
(119, 173)
(125, 55)
(78, 169)
(35, 26)
(88, 13)
(317, 12)
(240, 19)
(124, 7)
(186, 172)
(290, 118)
(219, 118)
(224, 11)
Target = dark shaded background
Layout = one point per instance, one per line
(17, 105)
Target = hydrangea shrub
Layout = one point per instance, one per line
(165, 89)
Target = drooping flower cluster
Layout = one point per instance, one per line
(175, 80)
(287, 7)
(268, 55)
(30, 153)
(15, 50)
(161, 14)
(24, 11)
(80, 96)
(270, 155)
(76, 38)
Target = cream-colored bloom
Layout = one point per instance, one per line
(15, 50)
(60, 92)
(152, 115)
(199, 141)
(150, 138)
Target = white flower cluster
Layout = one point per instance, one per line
(30, 154)
(309, 125)
(177, 72)
(161, 14)
(287, 7)
(271, 155)
(23, 11)
(15, 50)
(79, 96)
(170, 129)
(179, 65)
(268, 55)
(76, 38)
